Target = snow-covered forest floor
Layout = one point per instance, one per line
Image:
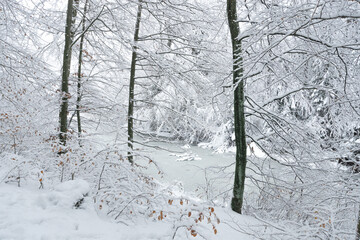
(52, 212)
(28, 213)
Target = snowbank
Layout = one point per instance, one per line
(29, 213)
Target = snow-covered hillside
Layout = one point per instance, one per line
(29, 213)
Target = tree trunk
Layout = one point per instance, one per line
(78, 99)
(132, 85)
(65, 75)
(239, 117)
(358, 227)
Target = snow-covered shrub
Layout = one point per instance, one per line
(126, 194)
(17, 169)
(319, 203)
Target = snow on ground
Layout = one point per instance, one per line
(29, 213)
(38, 214)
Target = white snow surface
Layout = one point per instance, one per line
(29, 213)
(188, 156)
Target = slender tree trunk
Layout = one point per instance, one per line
(239, 117)
(358, 227)
(65, 74)
(132, 85)
(78, 99)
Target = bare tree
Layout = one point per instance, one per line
(79, 73)
(132, 85)
(239, 117)
(65, 95)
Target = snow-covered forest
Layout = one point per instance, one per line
(179, 119)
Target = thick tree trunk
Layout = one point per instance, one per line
(78, 99)
(239, 117)
(132, 85)
(65, 75)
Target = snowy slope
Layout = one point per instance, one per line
(29, 213)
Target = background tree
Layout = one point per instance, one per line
(26, 90)
(65, 95)
(79, 73)
(132, 85)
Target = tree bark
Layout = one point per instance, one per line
(78, 99)
(65, 75)
(239, 117)
(132, 85)
(358, 227)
